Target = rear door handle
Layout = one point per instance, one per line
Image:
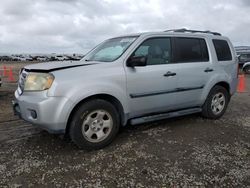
(167, 74)
(208, 70)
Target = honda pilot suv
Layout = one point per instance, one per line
(131, 79)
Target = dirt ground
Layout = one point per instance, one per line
(186, 151)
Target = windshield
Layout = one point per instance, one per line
(110, 50)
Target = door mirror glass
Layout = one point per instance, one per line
(139, 61)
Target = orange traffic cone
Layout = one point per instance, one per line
(5, 71)
(241, 84)
(11, 77)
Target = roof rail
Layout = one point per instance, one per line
(184, 30)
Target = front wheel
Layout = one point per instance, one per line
(216, 103)
(94, 125)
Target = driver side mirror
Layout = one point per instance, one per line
(139, 61)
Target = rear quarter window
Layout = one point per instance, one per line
(222, 49)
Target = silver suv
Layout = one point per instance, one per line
(134, 78)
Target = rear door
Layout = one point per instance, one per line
(193, 70)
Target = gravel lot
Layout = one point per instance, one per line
(186, 151)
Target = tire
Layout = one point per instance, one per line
(247, 69)
(94, 125)
(212, 108)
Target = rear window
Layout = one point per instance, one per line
(222, 50)
(191, 50)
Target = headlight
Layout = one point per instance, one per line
(38, 81)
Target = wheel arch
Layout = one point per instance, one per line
(107, 97)
(211, 85)
(206, 107)
(223, 84)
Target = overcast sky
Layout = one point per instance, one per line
(75, 26)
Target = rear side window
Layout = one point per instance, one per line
(191, 50)
(222, 50)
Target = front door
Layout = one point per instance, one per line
(151, 88)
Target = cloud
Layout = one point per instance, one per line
(246, 2)
(68, 26)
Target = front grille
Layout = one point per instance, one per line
(21, 82)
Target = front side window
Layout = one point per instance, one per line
(156, 50)
(191, 50)
(222, 50)
(111, 49)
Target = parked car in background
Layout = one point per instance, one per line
(244, 57)
(41, 58)
(246, 68)
(61, 58)
(243, 53)
(133, 78)
(5, 58)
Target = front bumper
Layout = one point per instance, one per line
(49, 113)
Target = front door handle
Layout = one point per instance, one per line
(167, 74)
(208, 70)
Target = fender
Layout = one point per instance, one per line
(77, 94)
(215, 79)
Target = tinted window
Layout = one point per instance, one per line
(191, 50)
(222, 50)
(157, 51)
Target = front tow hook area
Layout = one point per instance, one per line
(16, 108)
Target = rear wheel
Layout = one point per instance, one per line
(94, 125)
(216, 103)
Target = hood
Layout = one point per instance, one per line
(54, 66)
